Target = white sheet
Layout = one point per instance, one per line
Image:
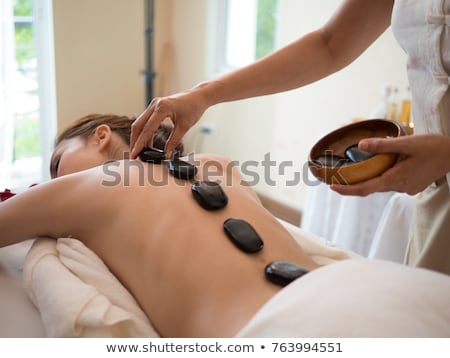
(391, 237)
(18, 316)
(358, 298)
(327, 214)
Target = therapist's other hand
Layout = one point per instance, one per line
(183, 109)
(422, 160)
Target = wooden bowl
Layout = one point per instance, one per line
(336, 143)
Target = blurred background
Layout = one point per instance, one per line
(63, 59)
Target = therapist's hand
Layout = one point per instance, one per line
(422, 160)
(183, 109)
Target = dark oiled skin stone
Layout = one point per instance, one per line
(330, 160)
(283, 273)
(355, 155)
(181, 169)
(243, 235)
(152, 155)
(209, 195)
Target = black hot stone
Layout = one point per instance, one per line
(355, 155)
(181, 169)
(209, 195)
(243, 235)
(283, 273)
(152, 155)
(329, 160)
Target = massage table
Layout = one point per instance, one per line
(59, 288)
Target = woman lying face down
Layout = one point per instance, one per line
(173, 255)
(95, 139)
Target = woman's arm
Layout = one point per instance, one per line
(354, 26)
(67, 206)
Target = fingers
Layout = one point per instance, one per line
(173, 140)
(183, 109)
(378, 184)
(385, 145)
(394, 179)
(145, 126)
(390, 180)
(137, 141)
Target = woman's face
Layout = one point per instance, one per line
(74, 155)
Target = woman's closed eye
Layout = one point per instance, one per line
(54, 167)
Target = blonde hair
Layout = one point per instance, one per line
(85, 126)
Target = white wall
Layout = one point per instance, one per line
(99, 57)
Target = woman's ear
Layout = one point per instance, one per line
(102, 136)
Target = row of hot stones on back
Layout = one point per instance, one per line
(210, 196)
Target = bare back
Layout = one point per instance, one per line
(172, 254)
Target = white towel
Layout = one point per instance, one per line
(78, 296)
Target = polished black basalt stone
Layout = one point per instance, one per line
(243, 235)
(181, 169)
(283, 273)
(210, 195)
(356, 155)
(330, 160)
(152, 155)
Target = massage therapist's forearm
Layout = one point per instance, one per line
(355, 25)
(275, 73)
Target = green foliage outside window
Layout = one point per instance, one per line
(23, 8)
(24, 33)
(26, 125)
(26, 138)
(266, 25)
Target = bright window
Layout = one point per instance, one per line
(240, 32)
(244, 31)
(27, 92)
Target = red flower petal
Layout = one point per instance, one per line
(4, 195)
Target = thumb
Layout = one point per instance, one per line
(384, 145)
(172, 142)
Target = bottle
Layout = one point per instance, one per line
(392, 112)
(405, 115)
